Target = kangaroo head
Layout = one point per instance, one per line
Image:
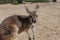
(33, 14)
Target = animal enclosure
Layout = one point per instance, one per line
(48, 21)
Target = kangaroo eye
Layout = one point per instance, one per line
(31, 13)
(36, 15)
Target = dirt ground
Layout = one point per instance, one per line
(48, 22)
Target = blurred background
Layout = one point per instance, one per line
(21, 1)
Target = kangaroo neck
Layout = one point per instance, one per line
(27, 19)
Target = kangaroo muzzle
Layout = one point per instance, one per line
(34, 21)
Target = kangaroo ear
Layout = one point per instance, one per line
(27, 9)
(37, 8)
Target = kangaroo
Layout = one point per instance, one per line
(16, 24)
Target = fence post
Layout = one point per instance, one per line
(54, 0)
(20, 1)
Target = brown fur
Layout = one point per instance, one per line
(13, 25)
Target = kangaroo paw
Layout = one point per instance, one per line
(29, 38)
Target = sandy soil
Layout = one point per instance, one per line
(48, 22)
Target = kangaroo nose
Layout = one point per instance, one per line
(34, 21)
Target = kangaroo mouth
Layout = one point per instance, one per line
(34, 21)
